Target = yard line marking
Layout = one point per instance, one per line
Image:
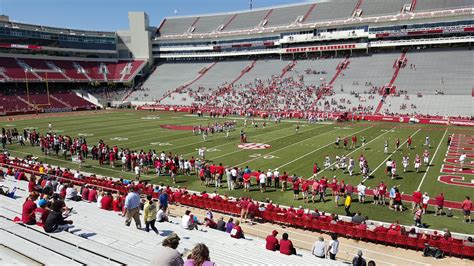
(331, 143)
(357, 149)
(432, 159)
(233, 142)
(239, 150)
(401, 145)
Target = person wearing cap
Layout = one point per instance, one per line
(42, 212)
(272, 242)
(166, 254)
(358, 260)
(319, 248)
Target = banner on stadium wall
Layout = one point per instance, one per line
(321, 48)
(20, 46)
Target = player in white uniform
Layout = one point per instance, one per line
(462, 159)
(428, 141)
(337, 161)
(201, 152)
(351, 166)
(394, 170)
(385, 147)
(343, 162)
(426, 158)
(361, 162)
(327, 162)
(417, 162)
(204, 135)
(405, 162)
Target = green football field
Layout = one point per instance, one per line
(292, 152)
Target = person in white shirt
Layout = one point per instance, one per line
(137, 172)
(269, 177)
(276, 177)
(262, 180)
(319, 248)
(333, 247)
(361, 188)
(161, 215)
(424, 200)
(187, 221)
(462, 159)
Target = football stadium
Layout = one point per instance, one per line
(327, 132)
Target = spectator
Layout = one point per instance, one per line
(187, 222)
(237, 231)
(162, 216)
(319, 248)
(210, 223)
(55, 221)
(166, 254)
(92, 197)
(272, 242)
(29, 207)
(361, 188)
(164, 198)
(418, 215)
(358, 260)
(72, 194)
(466, 208)
(469, 242)
(42, 212)
(286, 246)
(230, 225)
(358, 218)
(132, 208)
(149, 214)
(106, 201)
(371, 263)
(199, 256)
(221, 224)
(333, 247)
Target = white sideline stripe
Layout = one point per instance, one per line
(358, 149)
(331, 143)
(239, 150)
(432, 159)
(233, 142)
(401, 145)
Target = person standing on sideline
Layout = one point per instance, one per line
(166, 254)
(319, 248)
(333, 247)
(466, 209)
(358, 260)
(132, 208)
(149, 214)
(439, 204)
(347, 204)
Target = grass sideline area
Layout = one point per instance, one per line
(292, 152)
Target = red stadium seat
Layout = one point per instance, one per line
(381, 237)
(412, 242)
(468, 252)
(457, 250)
(401, 241)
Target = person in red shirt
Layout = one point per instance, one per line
(106, 202)
(32, 184)
(466, 208)
(283, 179)
(286, 246)
(246, 178)
(271, 242)
(117, 203)
(296, 188)
(28, 210)
(304, 191)
(416, 200)
(92, 197)
(42, 212)
(315, 169)
(236, 231)
(85, 192)
(439, 204)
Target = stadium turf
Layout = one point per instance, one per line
(292, 152)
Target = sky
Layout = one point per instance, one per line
(111, 15)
